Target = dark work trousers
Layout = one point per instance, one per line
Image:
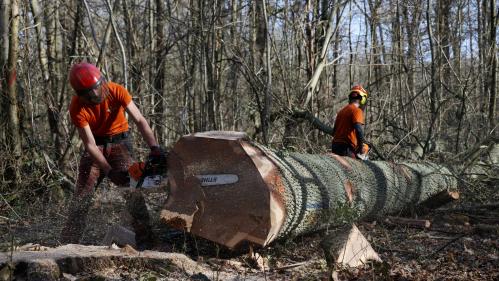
(119, 156)
(342, 149)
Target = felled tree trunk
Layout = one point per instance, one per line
(229, 190)
(79, 262)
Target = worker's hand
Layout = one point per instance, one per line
(362, 148)
(362, 151)
(157, 159)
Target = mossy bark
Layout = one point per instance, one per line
(280, 195)
(328, 190)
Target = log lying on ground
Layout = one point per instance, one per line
(416, 223)
(227, 189)
(440, 199)
(78, 262)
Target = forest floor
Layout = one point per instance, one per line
(461, 244)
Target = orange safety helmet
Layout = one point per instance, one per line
(357, 91)
(84, 76)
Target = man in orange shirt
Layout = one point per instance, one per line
(348, 136)
(98, 112)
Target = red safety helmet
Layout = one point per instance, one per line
(84, 76)
(358, 92)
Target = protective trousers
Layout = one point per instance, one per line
(119, 157)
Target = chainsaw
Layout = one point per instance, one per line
(147, 175)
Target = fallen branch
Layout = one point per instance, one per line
(415, 223)
(290, 266)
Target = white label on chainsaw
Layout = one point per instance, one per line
(221, 179)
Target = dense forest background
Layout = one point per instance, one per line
(278, 70)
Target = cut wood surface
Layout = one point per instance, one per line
(280, 194)
(347, 246)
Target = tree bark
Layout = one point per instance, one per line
(492, 83)
(13, 125)
(322, 56)
(48, 70)
(229, 190)
(159, 73)
(4, 57)
(4, 31)
(434, 97)
(267, 104)
(118, 39)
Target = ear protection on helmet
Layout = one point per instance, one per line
(363, 100)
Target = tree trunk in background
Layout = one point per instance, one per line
(230, 190)
(375, 59)
(4, 30)
(151, 48)
(267, 104)
(443, 59)
(56, 97)
(397, 61)
(48, 72)
(492, 79)
(233, 77)
(112, 21)
(433, 92)
(131, 44)
(260, 37)
(458, 86)
(485, 45)
(212, 45)
(159, 72)
(337, 39)
(375, 64)
(411, 19)
(350, 48)
(4, 57)
(13, 126)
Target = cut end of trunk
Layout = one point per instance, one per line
(347, 246)
(224, 189)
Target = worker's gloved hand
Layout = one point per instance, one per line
(120, 178)
(157, 159)
(362, 151)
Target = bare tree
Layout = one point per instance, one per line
(13, 133)
(49, 73)
(492, 79)
(160, 67)
(4, 56)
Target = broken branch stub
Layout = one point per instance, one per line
(227, 189)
